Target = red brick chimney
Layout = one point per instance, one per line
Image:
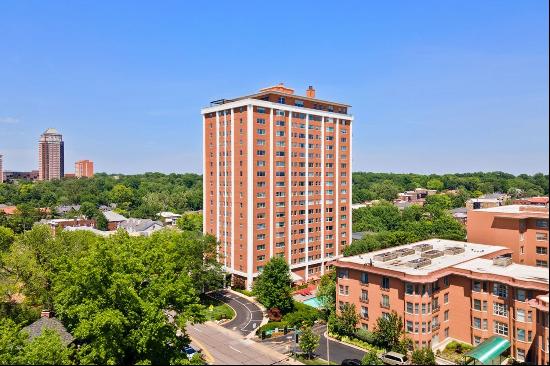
(310, 92)
(46, 314)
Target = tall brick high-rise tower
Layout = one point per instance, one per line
(277, 181)
(51, 159)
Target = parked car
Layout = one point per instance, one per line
(189, 351)
(394, 358)
(351, 362)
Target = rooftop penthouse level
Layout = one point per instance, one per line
(521, 228)
(284, 95)
(490, 295)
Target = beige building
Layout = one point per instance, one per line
(277, 181)
(51, 152)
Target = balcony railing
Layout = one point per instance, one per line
(365, 316)
(387, 289)
(364, 300)
(364, 284)
(435, 327)
(385, 306)
(435, 309)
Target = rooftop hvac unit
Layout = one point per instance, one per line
(418, 263)
(423, 247)
(404, 252)
(454, 250)
(502, 261)
(432, 254)
(384, 257)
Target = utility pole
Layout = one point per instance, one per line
(328, 351)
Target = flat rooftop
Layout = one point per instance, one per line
(517, 271)
(518, 211)
(424, 257)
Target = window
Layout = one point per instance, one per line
(476, 286)
(542, 250)
(446, 298)
(385, 301)
(260, 247)
(542, 236)
(364, 312)
(500, 290)
(477, 323)
(477, 305)
(541, 263)
(364, 295)
(261, 131)
(520, 334)
(343, 273)
(521, 295)
(520, 315)
(409, 289)
(385, 283)
(541, 224)
(520, 355)
(344, 290)
(364, 278)
(409, 307)
(410, 326)
(446, 281)
(500, 328)
(500, 309)
(446, 315)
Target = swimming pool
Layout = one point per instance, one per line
(314, 301)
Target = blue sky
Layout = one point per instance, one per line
(436, 86)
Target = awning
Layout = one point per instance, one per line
(489, 349)
(295, 277)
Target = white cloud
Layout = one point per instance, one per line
(9, 120)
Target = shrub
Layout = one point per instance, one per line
(271, 326)
(365, 336)
(302, 315)
(274, 315)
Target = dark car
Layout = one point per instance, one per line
(351, 362)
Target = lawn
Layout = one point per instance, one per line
(313, 361)
(455, 351)
(216, 310)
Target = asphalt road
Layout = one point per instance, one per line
(248, 315)
(226, 347)
(338, 351)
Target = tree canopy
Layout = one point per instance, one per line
(123, 298)
(272, 288)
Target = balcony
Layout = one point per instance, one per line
(365, 316)
(384, 306)
(435, 327)
(364, 300)
(435, 309)
(366, 284)
(386, 289)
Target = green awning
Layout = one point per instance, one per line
(489, 349)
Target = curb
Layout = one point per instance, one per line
(344, 343)
(265, 320)
(208, 357)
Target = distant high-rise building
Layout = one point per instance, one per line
(51, 159)
(84, 168)
(277, 181)
(1, 170)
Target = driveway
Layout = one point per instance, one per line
(337, 351)
(248, 315)
(226, 347)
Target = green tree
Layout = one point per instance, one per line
(11, 342)
(7, 237)
(344, 323)
(435, 184)
(388, 331)
(309, 341)
(190, 222)
(423, 356)
(371, 358)
(326, 291)
(121, 195)
(273, 286)
(385, 190)
(45, 349)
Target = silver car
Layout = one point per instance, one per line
(394, 358)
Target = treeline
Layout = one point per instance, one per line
(372, 186)
(386, 226)
(114, 295)
(142, 195)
